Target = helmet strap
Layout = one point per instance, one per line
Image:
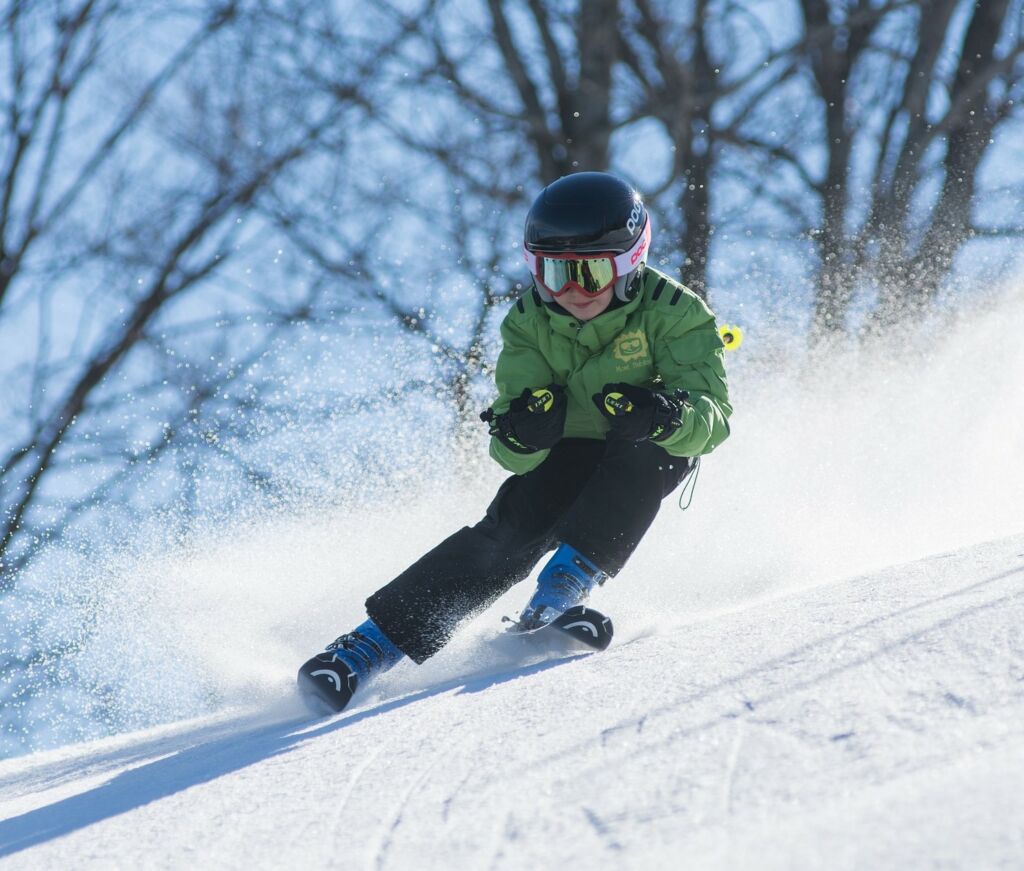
(628, 286)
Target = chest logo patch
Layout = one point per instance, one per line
(631, 347)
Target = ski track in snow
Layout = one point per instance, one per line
(876, 722)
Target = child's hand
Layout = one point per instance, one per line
(635, 413)
(534, 421)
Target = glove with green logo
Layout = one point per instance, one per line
(535, 420)
(636, 413)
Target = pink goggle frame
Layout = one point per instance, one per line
(606, 267)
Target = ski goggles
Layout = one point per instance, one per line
(592, 274)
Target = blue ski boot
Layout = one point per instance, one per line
(566, 580)
(328, 680)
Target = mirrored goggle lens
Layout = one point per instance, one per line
(593, 275)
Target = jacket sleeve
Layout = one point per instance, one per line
(520, 365)
(689, 356)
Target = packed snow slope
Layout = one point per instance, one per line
(873, 722)
(791, 684)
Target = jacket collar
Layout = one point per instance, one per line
(597, 332)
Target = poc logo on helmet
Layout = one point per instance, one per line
(638, 253)
(634, 217)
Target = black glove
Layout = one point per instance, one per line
(535, 420)
(636, 413)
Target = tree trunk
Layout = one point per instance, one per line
(695, 201)
(586, 112)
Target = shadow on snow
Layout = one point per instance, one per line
(205, 762)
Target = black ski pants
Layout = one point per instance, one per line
(598, 496)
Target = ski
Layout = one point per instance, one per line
(579, 625)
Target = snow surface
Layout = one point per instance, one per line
(875, 722)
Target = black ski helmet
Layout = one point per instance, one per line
(589, 213)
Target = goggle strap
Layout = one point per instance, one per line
(629, 260)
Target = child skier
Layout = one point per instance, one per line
(610, 381)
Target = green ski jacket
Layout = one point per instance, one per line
(665, 339)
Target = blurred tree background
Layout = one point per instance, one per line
(240, 239)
